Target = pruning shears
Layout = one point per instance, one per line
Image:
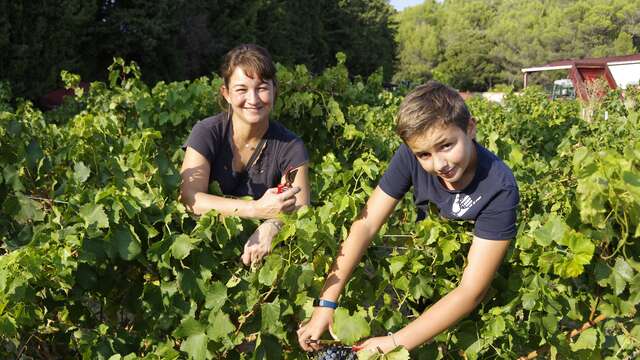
(290, 176)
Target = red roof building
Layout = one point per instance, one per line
(582, 71)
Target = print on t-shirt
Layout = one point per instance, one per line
(462, 205)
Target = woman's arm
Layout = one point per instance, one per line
(259, 243)
(485, 256)
(373, 215)
(194, 193)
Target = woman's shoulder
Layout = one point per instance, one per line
(214, 123)
(286, 145)
(279, 132)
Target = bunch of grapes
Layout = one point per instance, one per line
(336, 353)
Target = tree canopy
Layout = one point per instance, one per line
(473, 45)
(179, 39)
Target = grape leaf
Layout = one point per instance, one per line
(94, 214)
(269, 271)
(196, 346)
(399, 353)
(349, 329)
(219, 325)
(271, 319)
(587, 340)
(552, 230)
(81, 172)
(126, 242)
(216, 296)
(182, 246)
(189, 326)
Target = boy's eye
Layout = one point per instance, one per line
(423, 156)
(447, 146)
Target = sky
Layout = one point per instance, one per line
(401, 4)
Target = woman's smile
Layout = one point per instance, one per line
(250, 97)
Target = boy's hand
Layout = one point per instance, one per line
(381, 344)
(320, 321)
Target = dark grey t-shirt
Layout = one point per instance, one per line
(212, 137)
(491, 199)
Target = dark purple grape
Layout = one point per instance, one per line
(336, 353)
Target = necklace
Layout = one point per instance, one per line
(249, 146)
(251, 143)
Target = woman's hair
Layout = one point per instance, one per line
(428, 106)
(253, 59)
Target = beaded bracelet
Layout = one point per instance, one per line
(277, 223)
(395, 345)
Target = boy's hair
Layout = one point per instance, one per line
(428, 105)
(253, 59)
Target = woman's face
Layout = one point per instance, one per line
(251, 98)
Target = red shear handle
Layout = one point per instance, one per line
(282, 188)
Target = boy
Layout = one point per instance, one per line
(442, 161)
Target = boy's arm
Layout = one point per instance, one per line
(484, 258)
(373, 215)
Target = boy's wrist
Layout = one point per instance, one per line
(393, 339)
(325, 303)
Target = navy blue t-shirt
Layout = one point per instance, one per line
(212, 138)
(491, 199)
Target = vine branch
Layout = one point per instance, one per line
(573, 333)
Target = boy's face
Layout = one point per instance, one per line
(447, 152)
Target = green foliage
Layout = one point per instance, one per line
(177, 40)
(473, 45)
(419, 45)
(350, 328)
(397, 354)
(40, 39)
(100, 260)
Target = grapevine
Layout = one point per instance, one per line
(99, 259)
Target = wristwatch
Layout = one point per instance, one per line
(324, 303)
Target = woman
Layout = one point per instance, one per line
(246, 153)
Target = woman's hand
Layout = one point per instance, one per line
(381, 344)
(271, 204)
(259, 243)
(321, 320)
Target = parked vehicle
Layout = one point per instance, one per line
(616, 71)
(563, 89)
